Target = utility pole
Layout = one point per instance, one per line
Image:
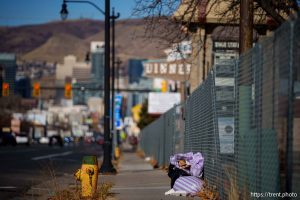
(113, 17)
(246, 25)
(107, 166)
(1, 80)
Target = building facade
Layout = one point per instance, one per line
(91, 83)
(208, 28)
(135, 70)
(9, 70)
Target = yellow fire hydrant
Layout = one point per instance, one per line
(88, 176)
(117, 152)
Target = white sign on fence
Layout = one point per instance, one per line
(226, 134)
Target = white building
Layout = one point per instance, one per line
(80, 71)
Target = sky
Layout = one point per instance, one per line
(24, 12)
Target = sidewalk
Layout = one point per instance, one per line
(136, 180)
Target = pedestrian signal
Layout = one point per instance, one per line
(5, 89)
(68, 91)
(36, 90)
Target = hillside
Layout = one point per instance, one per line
(57, 46)
(52, 41)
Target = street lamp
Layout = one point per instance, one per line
(114, 133)
(107, 166)
(64, 11)
(113, 17)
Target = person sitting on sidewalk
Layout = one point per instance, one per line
(188, 164)
(182, 170)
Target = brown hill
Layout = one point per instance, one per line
(131, 41)
(52, 41)
(57, 46)
(24, 39)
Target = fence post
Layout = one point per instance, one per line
(289, 142)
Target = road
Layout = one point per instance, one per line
(24, 166)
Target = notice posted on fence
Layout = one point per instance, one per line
(226, 134)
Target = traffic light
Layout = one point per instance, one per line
(5, 89)
(36, 90)
(68, 91)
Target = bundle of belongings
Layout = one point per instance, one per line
(186, 171)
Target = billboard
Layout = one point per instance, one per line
(159, 102)
(97, 46)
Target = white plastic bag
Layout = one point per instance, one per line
(190, 185)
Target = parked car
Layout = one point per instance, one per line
(68, 139)
(7, 139)
(99, 139)
(89, 139)
(56, 139)
(23, 138)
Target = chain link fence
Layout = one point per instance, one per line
(244, 119)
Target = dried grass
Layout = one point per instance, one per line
(233, 192)
(103, 192)
(208, 193)
(62, 189)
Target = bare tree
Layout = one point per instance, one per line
(177, 20)
(159, 14)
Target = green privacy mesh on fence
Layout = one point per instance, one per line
(244, 119)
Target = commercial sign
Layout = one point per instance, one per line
(226, 134)
(224, 94)
(179, 51)
(169, 70)
(225, 45)
(97, 46)
(220, 81)
(37, 118)
(159, 103)
(117, 111)
(225, 58)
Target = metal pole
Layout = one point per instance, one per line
(107, 166)
(290, 113)
(118, 74)
(113, 73)
(1, 80)
(113, 17)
